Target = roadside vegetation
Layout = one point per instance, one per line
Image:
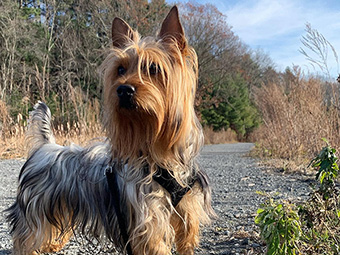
(296, 114)
(310, 227)
(297, 110)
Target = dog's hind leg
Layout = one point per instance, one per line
(27, 239)
(56, 241)
(57, 235)
(33, 234)
(33, 243)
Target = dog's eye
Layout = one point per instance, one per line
(121, 70)
(153, 69)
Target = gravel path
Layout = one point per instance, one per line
(235, 179)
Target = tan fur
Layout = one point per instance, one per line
(63, 190)
(57, 241)
(50, 241)
(46, 238)
(165, 125)
(163, 129)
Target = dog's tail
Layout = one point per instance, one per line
(39, 128)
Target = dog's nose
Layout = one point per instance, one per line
(126, 94)
(126, 91)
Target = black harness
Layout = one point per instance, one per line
(164, 178)
(111, 177)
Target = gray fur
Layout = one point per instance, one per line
(65, 188)
(39, 128)
(62, 186)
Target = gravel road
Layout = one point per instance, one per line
(235, 178)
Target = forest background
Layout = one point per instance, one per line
(50, 50)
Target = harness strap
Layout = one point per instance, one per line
(164, 178)
(111, 177)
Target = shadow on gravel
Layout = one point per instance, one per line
(5, 252)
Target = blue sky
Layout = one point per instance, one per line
(277, 26)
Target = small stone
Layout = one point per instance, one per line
(255, 245)
(245, 241)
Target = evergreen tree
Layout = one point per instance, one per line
(232, 108)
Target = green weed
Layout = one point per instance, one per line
(280, 227)
(312, 227)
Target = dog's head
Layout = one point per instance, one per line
(149, 89)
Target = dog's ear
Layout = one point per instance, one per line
(172, 29)
(121, 33)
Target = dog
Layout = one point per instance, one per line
(141, 188)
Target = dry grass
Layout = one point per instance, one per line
(216, 137)
(14, 146)
(81, 136)
(296, 116)
(12, 132)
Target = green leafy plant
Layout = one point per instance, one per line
(328, 169)
(312, 227)
(280, 227)
(320, 224)
(320, 214)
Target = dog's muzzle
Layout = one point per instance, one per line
(126, 95)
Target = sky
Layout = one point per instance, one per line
(277, 26)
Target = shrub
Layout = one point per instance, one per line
(312, 227)
(321, 213)
(280, 227)
(296, 112)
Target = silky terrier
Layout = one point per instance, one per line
(141, 189)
